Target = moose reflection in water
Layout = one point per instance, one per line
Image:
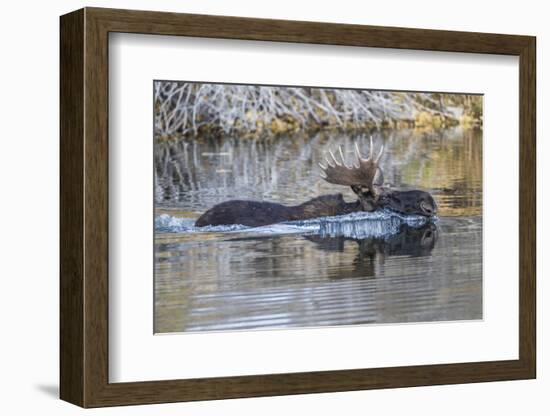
(366, 179)
(408, 241)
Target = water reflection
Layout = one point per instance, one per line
(409, 241)
(222, 282)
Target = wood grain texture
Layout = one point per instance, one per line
(96, 208)
(71, 203)
(84, 205)
(162, 23)
(528, 207)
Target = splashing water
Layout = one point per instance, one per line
(355, 225)
(366, 225)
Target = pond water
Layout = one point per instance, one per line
(358, 269)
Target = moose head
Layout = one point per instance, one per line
(365, 177)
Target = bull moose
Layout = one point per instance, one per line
(364, 176)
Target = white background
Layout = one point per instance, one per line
(29, 217)
(296, 350)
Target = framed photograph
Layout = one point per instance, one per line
(255, 207)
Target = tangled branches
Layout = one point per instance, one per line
(183, 109)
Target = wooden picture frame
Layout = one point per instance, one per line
(84, 207)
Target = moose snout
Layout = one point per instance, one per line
(428, 208)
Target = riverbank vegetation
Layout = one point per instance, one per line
(209, 110)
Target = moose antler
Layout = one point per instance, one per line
(365, 172)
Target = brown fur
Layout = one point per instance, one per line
(258, 213)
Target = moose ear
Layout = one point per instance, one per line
(378, 177)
